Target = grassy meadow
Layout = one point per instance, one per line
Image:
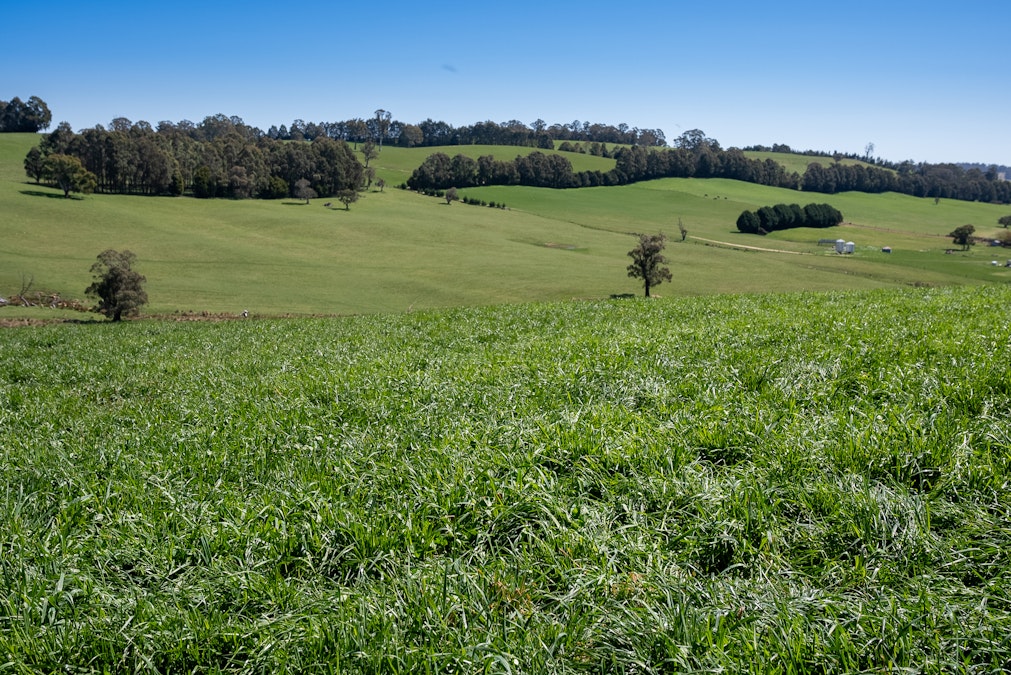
(763, 483)
(797, 162)
(491, 466)
(396, 251)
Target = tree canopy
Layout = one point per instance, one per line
(785, 216)
(221, 157)
(224, 157)
(67, 173)
(962, 236)
(24, 116)
(117, 286)
(648, 261)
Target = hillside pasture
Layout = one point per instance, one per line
(799, 163)
(395, 251)
(396, 164)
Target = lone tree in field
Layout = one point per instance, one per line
(451, 196)
(1003, 220)
(347, 198)
(962, 235)
(648, 261)
(118, 287)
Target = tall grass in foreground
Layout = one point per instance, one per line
(802, 483)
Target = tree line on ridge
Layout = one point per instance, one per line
(224, 157)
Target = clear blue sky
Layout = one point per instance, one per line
(926, 81)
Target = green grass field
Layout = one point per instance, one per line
(799, 163)
(397, 251)
(799, 483)
(396, 164)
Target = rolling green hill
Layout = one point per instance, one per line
(797, 162)
(396, 164)
(396, 251)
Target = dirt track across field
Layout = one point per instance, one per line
(744, 247)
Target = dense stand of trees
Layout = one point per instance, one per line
(220, 157)
(694, 155)
(224, 157)
(947, 181)
(431, 133)
(24, 116)
(785, 216)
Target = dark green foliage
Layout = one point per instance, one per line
(221, 157)
(203, 183)
(768, 218)
(784, 216)
(118, 287)
(67, 173)
(434, 173)
(962, 236)
(822, 215)
(178, 184)
(649, 262)
(135, 158)
(538, 169)
(749, 222)
(28, 116)
(276, 188)
(35, 164)
(948, 181)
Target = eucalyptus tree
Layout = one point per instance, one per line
(118, 287)
(69, 174)
(649, 262)
(382, 119)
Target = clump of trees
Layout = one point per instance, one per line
(118, 287)
(224, 157)
(221, 157)
(28, 116)
(538, 134)
(690, 155)
(648, 261)
(938, 181)
(67, 173)
(963, 236)
(785, 216)
(694, 155)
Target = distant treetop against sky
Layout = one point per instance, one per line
(919, 80)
